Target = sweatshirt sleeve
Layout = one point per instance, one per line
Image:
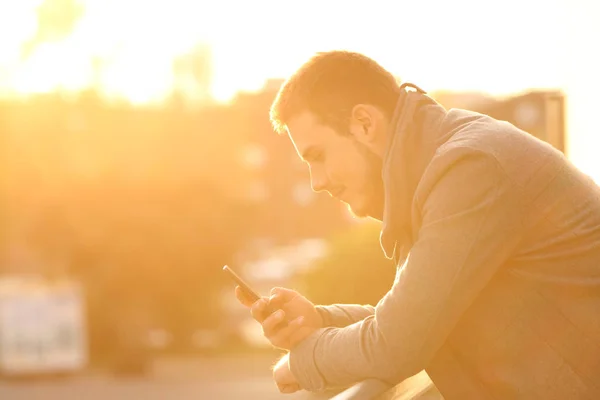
(471, 222)
(341, 315)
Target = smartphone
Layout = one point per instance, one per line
(251, 293)
(246, 289)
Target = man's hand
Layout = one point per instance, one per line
(284, 379)
(286, 316)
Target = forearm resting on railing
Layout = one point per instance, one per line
(341, 315)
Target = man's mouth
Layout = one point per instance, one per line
(337, 193)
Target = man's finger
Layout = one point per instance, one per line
(258, 310)
(239, 294)
(284, 336)
(281, 295)
(273, 323)
(288, 387)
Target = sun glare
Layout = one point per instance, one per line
(52, 66)
(122, 56)
(17, 23)
(127, 48)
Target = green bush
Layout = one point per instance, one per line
(355, 270)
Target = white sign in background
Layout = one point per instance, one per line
(42, 331)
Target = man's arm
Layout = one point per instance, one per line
(342, 315)
(472, 219)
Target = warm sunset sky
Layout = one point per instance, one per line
(499, 47)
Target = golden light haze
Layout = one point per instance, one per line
(126, 48)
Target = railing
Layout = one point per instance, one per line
(417, 387)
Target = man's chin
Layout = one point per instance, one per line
(358, 212)
(364, 211)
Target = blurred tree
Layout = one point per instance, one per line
(4, 187)
(143, 205)
(354, 271)
(56, 19)
(163, 243)
(192, 73)
(148, 254)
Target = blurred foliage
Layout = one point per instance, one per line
(56, 19)
(144, 206)
(355, 270)
(147, 256)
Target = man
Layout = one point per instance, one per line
(496, 235)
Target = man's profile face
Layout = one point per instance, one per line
(339, 164)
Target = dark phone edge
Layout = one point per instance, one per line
(248, 291)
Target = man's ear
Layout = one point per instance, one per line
(363, 123)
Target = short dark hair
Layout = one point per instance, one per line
(330, 84)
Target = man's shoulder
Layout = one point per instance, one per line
(514, 150)
(489, 148)
(489, 135)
